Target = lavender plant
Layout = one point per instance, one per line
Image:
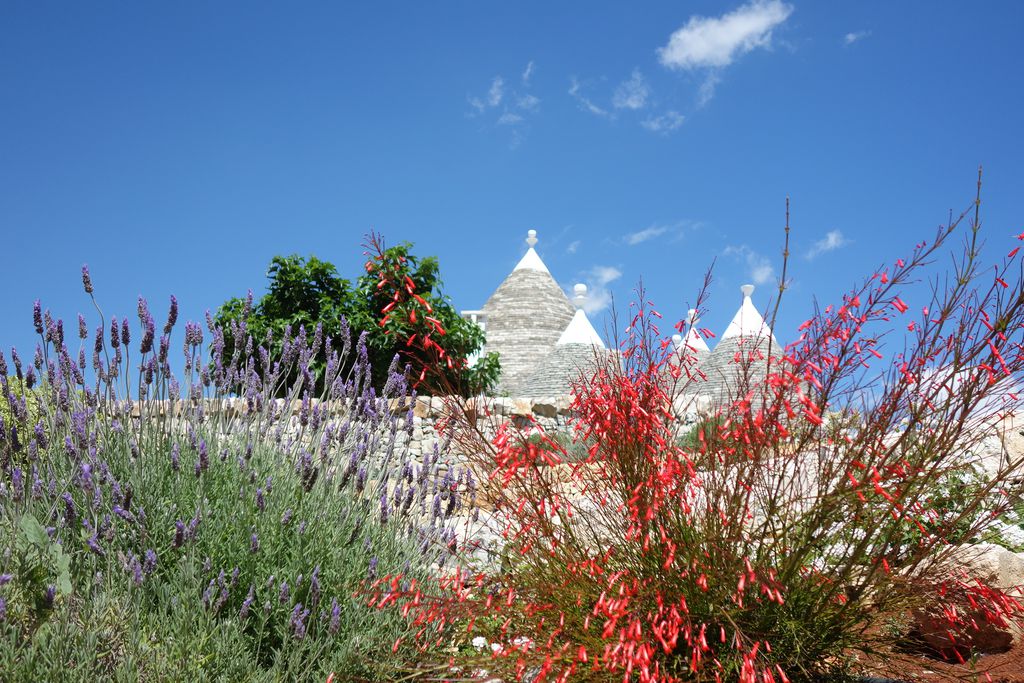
(165, 526)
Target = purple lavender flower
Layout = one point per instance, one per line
(247, 603)
(93, 542)
(286, 518)
(165, 347)
(30, 377)
(283, 595)
(83, 329)
(179, 533)
(48, 325)
(254, 543)
(124, 514)
(175, 457)
(208, 594)
(384, 508)
(136, 569)
(37, 316)
(298, 621)
(371, 572)
(48, 597)
(172, 315)
(3, 610)
(86, 279)
(193, 335)
(308, 472)
(204, 456)
(148, 334)
(17, 483)
(261, 504)
(5, 579)
(69, 508)
(149, 562)
(115, 339)
(126, 333)
(335, 616)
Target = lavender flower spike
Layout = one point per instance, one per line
(86, 279)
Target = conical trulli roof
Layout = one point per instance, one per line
(739, 361)
(689, 352)
(574, 355)
(525, 317)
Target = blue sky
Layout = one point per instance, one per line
(176, 149)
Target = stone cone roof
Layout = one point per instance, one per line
(556, 373)
(739, 361)
(526, 315)
(689, 352)
(575, 355)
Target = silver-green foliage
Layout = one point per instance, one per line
(211, 531)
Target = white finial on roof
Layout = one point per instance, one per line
(530, 260)
(677, 341)
(579, 298)
(694, 341)
(580, 331)
(747, 322)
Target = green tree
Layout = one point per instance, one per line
(397, 302)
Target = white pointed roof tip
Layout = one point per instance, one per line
(579, 298)
(748, 321)
(693, 341)
(531, 260)
(580, 331)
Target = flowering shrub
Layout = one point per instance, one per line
(165, 526)
(770, 545)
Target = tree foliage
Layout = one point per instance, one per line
(397, 303)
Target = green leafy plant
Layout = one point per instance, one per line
(309, 294)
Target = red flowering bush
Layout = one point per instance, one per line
(768, 546)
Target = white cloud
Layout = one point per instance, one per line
(597, 279)
(528, 102)
(833, 240)
(493, 98)
(573, 246)
(585, 103)
(665, 123)
(507, 108)
(635, 238)
(715, 42)
(509, 119)
(632, 93)
(603, 275)
(854, 36)
(496, 92)
(707, 89)
(759, 268)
